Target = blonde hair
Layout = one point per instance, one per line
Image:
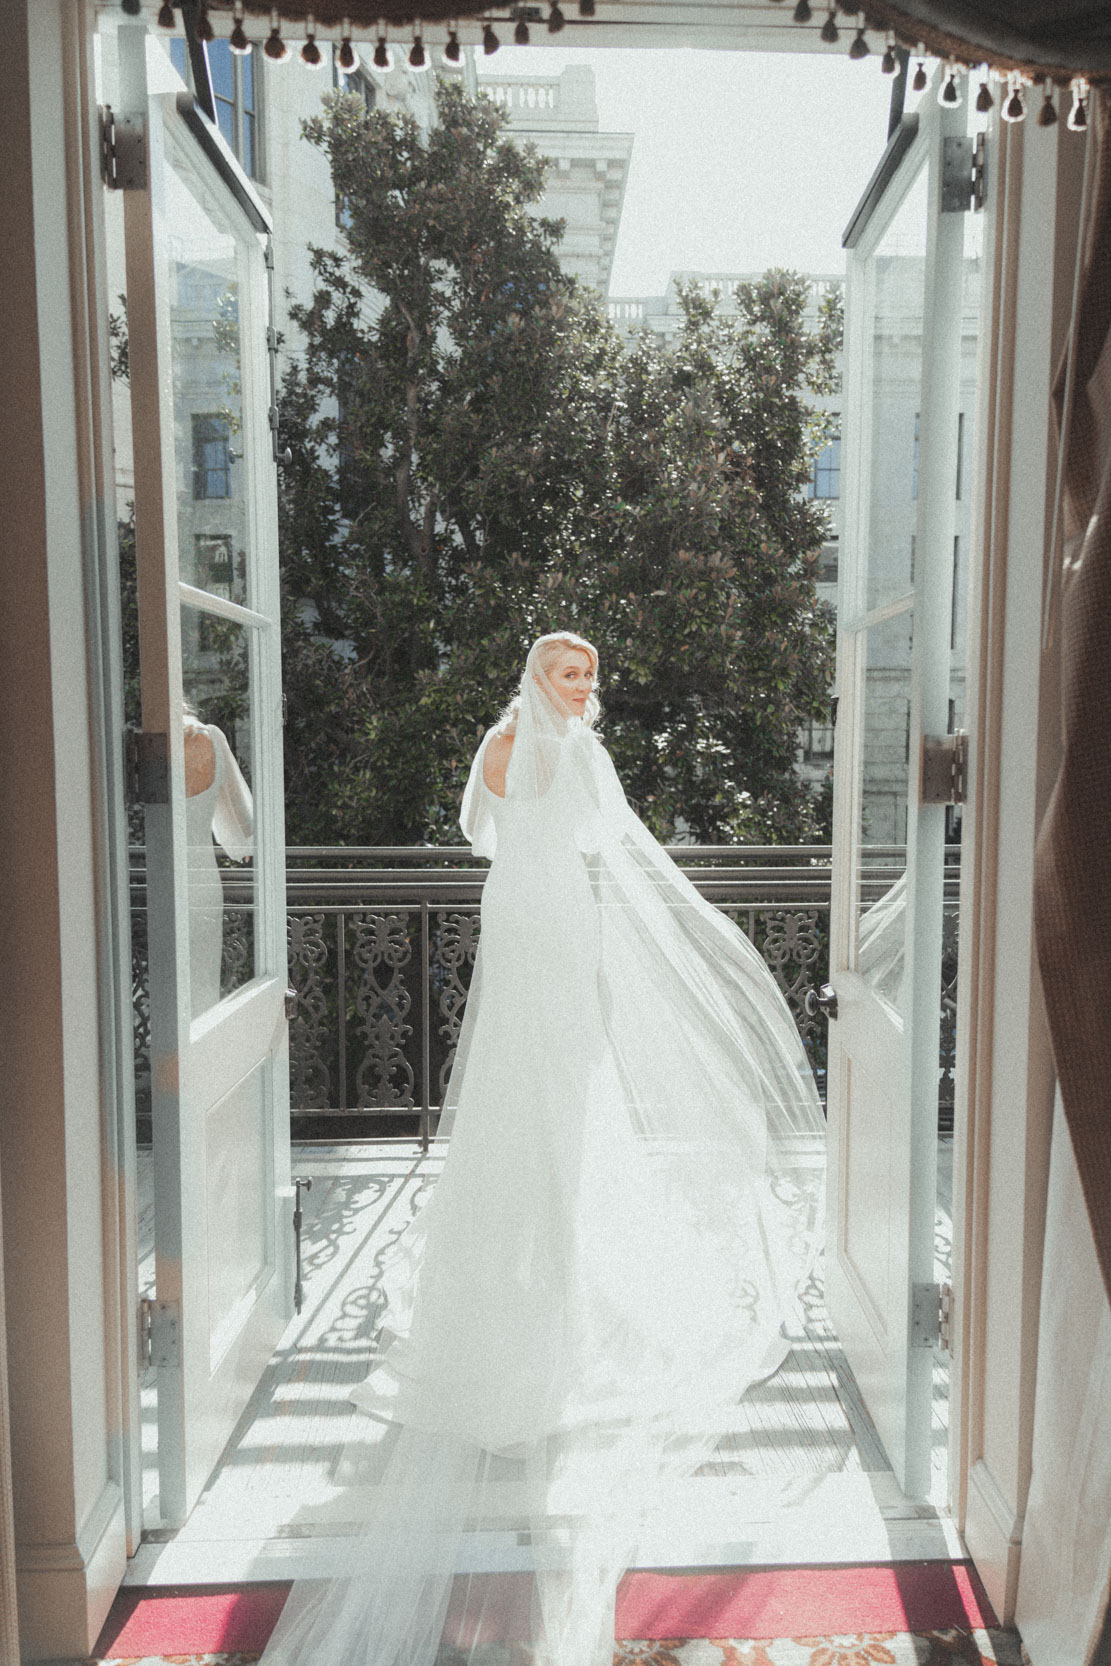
(548, 649)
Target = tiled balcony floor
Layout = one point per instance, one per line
(801, 1476)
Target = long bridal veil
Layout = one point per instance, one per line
(631, 1204)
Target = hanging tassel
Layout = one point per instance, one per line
(803, 14)
(984, 100)
(920, 77)
(418, 58)
(310, 52)
(889, 63)
(383, 57)
(556, 19)
(275, 49)
(165, 15)
(203, 26)
(1047, 115)
(1015, 107)
(490, 41)
(1078, 115)
(830, 33)
(453, 52)
(345, 58)
(859, 47)
(949, 93)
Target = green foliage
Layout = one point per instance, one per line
(477, 459)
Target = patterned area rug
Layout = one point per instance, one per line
(953, 1647)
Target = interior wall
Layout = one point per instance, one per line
(61, 1286)
(1005, 1073)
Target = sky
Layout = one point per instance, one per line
(741, 160)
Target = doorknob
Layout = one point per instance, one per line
(821, 1000)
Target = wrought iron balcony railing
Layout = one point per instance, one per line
(382, 944)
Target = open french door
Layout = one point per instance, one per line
(210, 775)
(912, 293)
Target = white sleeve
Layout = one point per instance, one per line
(233, 818)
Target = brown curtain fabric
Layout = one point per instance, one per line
(1072, 878)
(1066, 38)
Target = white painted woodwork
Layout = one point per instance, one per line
(1004, 1066)
(220, 1100)
(883, 1052)
(63, 1032)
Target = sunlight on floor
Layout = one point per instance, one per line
(801, 1475)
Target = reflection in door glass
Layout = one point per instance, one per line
(881, 852)
(219, 808)
(208, 393)
(958, 634)
(899, 268)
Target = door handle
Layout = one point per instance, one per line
(821, 1000)
(291, 1002)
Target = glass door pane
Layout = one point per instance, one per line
(216, 657)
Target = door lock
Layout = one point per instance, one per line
(821, 1000)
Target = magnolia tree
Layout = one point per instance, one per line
(477, 459)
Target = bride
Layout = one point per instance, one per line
(631, 1202)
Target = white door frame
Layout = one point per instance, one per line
(226, 1067)
(885, 1118)
(1004, 1070)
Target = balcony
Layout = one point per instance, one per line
(382, 943)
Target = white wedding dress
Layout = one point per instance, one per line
(629, 1206)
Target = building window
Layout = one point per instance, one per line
(825, 479)
(917, 433)
(817, 746)
(354, 81)
(211, 457)
(235, 90)
(214, 564)
(827, 563)
(363, 87)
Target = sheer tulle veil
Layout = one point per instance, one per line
(631, 1202)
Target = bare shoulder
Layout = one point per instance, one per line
(495, 763)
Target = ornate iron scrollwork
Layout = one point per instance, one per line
(382, 951)
(457, 945)
(310, 1079)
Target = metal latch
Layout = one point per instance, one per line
(160, 1333)
(123, 151)
(963, 174)
(148, 767)
(298, 1219)
(931, 1311)
(944, 768)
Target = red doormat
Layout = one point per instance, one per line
(751, 1603)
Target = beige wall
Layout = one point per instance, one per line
(1005, 1078)
(58, 1171)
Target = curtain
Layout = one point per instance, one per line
(1067, 38)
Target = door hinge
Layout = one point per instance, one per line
(930, 1315)
(963, 174)
(148, 767)
(945, 1318)
(944, 768)
(160, 1333)
(123, 151)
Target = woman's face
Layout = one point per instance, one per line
(572, 677)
